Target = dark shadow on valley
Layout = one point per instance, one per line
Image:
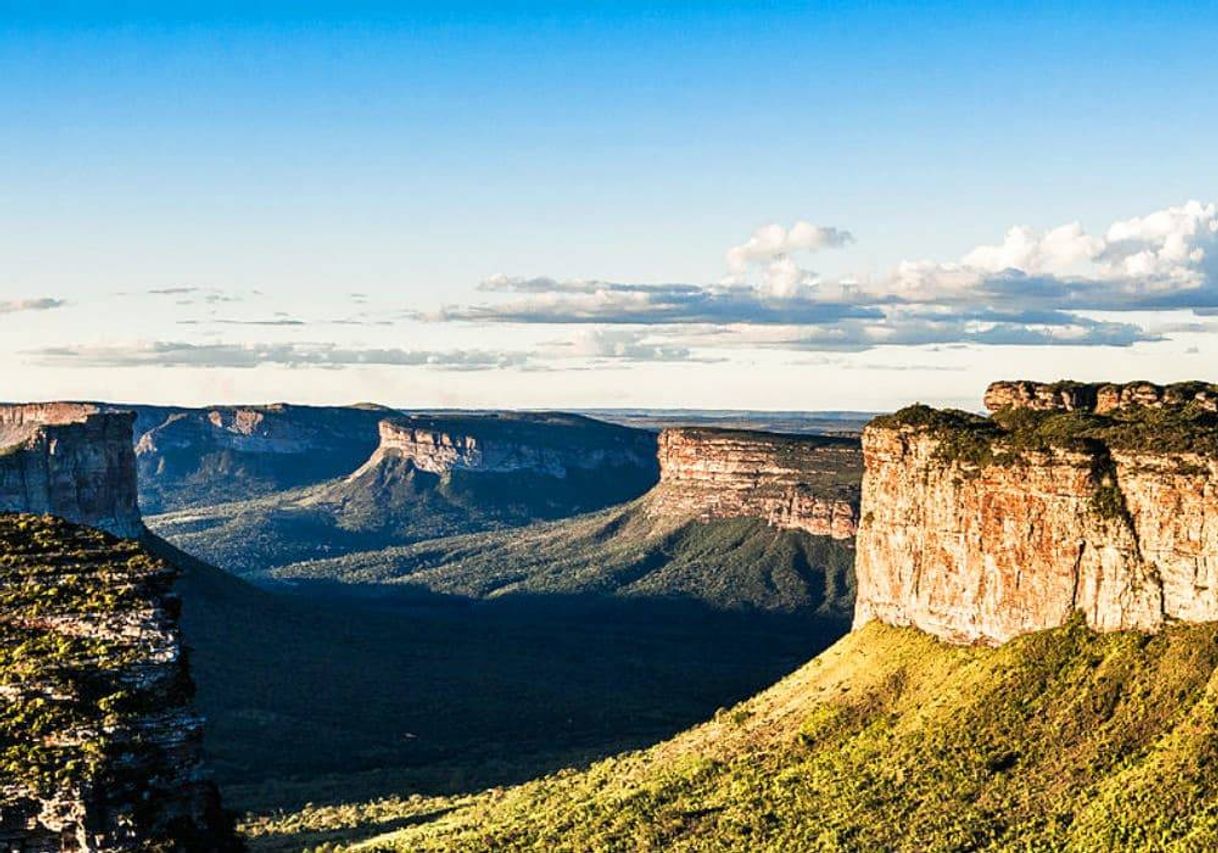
(336, 693)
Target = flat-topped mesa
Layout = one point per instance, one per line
(70, 460)
(549, 445)
(979, 529)
(1098, 398)
(807, 483)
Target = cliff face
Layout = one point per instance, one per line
(979, 530)
(99, 749)
(800, 483)
(483, 444)
(70, 460)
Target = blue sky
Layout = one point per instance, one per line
(255, 201)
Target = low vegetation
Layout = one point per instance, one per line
(65, 689)
(1008, 434)
(1061, 740)
(740, 564)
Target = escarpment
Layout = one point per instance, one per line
(99, 748)
(801, 483)
(193, 457)
(70, 460)
(1099, 500)
(553, 446)
(512, 466)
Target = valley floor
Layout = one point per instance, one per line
(1062, 740)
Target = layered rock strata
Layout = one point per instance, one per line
(794, 482)
(977, 533)
(552, 446)
(70, 460)
(99, 748)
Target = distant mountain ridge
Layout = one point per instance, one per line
(428, 476)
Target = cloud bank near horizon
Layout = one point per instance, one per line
(1033, 288)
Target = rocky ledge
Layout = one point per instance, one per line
(70, 460)
(1100, 398)
(807, 483)
(99, 749)
(1100, 501)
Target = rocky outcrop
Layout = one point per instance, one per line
(70, 460)
(795, 482)
(977, 532)
(1099, 398)
(99, 748)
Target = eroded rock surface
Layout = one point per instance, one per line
(801, 483)
(973, 533)
(99, 748)
(1100, 398)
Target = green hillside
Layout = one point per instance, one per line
(890, 740)
(731, 564)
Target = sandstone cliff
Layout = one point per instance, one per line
(1100, 500)
(552, 446)
(800, 483)
(99, 749)
(70, 460)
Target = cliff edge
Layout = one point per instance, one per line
(1100, 500)
(71, 460)
(99, 748)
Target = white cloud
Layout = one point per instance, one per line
(771, 247)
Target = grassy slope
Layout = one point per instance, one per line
(889, 740)
(736, 564)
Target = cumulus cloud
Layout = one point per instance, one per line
(12, 306)
(771, 248)
(223, 355)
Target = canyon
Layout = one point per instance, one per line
(1095, 500)
(738, 521)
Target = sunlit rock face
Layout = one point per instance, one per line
(981, 547)
(801, 483)
(70, 460)
(1100, 398)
